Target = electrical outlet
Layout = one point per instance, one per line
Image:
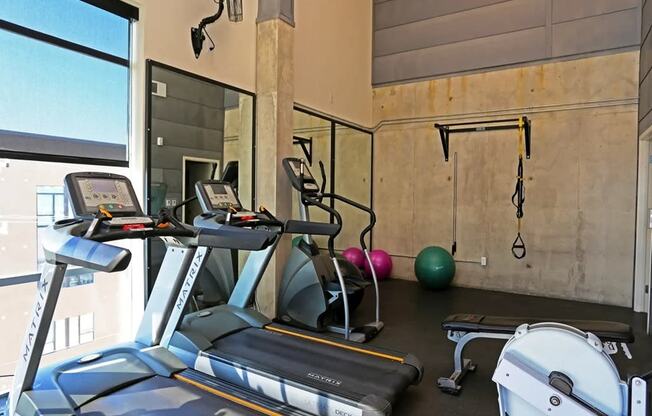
(483, 261)
(170, 202)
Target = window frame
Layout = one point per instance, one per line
(117, 7)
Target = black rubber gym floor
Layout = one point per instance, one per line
(412, 319)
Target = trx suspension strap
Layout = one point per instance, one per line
(518, 198)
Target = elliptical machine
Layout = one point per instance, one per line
(555, 369)
(315, 291)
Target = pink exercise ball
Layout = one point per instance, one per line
(382, 264)
(355, 256)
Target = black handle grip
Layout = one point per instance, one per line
(372, 214)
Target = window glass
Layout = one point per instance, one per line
(73, 331)
(58, 104)
(60, 336)
(62, 18)
(79, 106)
(35, 188)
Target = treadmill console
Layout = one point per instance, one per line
(293, 167)
(217, 196)
(93, 192)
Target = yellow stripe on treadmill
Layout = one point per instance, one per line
(336, 344)
(228, 396)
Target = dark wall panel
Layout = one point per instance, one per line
(565, 10)
(607, 31)
(647, 19)
(477, 23)
(400, 12)
(416, 39)
(508, 48)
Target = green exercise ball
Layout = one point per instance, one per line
(296, 240)
(435, 268)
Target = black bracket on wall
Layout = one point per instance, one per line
(306, 146)
(506, 124)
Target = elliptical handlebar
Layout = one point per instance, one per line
(323, 194)
(322, 189)
(310, 199)
(372, 214)
(175, 209)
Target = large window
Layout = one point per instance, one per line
(65, 77)
(64, 107)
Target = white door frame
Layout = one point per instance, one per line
(183, 175)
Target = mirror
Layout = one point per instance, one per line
(199, 129)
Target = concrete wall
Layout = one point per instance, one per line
(332, 54)
(416, 39)
(580, 183)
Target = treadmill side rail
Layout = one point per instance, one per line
(184, 293)
(161, 300)
(31, 350)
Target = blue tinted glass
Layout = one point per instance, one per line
(72, 20)
(56, 92)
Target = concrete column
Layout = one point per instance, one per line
(274, 126)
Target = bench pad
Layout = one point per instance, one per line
(605, 330)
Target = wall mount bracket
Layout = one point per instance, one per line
(306, 146)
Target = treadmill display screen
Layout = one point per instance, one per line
(110, 194)
(221, 196)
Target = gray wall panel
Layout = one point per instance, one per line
(186, 112)
(608, 31)
(645, 58)
(189, 89)
(504, 49)
(565, 10)
(175, 134)
(410, 35)
(477, 23)
(647, 19)
(400, 12)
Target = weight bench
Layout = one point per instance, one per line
(464, 328)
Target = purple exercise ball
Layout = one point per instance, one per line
(355, 256)
(382, 264)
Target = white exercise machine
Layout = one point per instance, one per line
(556, 369)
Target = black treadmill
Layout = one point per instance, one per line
(136, 378)
(324, 376)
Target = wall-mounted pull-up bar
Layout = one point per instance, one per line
(445, 130)
(523, 125)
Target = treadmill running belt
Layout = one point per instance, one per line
(331, 369)
(164, 396)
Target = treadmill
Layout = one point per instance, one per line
(319, 375)
(137, 378)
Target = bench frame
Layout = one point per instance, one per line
(453, 384)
